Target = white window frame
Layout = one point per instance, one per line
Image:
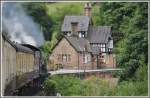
(85, 58)
(80, 35)
(64, 58)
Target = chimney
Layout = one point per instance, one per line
(74, 27)
(87, 9)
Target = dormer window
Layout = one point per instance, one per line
(67, 33)
(81, 34)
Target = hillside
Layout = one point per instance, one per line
(129, 23)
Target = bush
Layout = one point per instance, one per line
(73, 86)
(49, 87)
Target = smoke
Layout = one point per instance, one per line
(20, 27)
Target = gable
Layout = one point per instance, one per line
(78, 44)
(63, 46)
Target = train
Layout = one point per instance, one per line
(22, 65)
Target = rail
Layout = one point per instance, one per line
(68, 71)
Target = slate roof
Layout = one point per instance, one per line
(80, 44)
(83, 23)
(95, 50)
(99, 34)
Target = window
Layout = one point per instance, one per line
(80, 35)
(99, 45)
(85, 58)
(83, 35)
(68, 33)
(103, 48)
(94, 45)
(103, 45)
(89, 58)
(110, 44)
(109, 50)
(64, 58)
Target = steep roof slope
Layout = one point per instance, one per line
(83, 23)
(99, 34)
(80, 44)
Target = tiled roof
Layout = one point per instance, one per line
(80, 44)
(83, 23)
(99, 34)
(95, 50)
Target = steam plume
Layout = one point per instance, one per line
(19, 26)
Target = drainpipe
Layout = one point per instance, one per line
(78, 65)
(97, 60)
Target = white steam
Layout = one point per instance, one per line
(20, 27)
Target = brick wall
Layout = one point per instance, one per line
(64, 47)
(110, 61)
(76, 58)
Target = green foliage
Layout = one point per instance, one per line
(132, 48)
(95, 87)
(73, 86)
(65, 85)
(131, 19)
(131, 89)
(49, 87)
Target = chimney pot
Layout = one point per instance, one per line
(87, 9)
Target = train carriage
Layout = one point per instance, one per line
(21, 66)
(37, 58)
(8, 65)
(24, 65)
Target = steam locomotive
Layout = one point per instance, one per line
(22, 65)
